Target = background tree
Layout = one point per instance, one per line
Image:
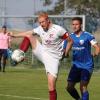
(90, 8)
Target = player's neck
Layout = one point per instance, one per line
(49, 26)
(4, 32)
(78, 33)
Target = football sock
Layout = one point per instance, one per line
(53, 95)
(85, 96)
(25, 44)
(74, 94)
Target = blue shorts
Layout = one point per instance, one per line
(79, 74)
(3, 53)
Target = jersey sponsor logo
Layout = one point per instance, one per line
(78, 48)
(81, 42)
(51, 35)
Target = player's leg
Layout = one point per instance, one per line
(4, 59)
(25, 44)
(19, 54)
(4, 63)
(52, 87)
(52, 68)
(85, 77)
(0, 60)
(72, 90)
(73, 78)
(45, 58)
(27, 41)
(84, 91)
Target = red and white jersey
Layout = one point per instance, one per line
(52, 39)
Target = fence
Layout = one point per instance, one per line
(18, 24)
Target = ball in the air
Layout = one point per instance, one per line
(18, 55)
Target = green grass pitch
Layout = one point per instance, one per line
(19, 83)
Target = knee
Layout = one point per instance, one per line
(51, 86)
(83, 89)
(51, 83)
(31, 38)
(69, 88)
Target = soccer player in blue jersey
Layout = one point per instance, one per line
(82, 64)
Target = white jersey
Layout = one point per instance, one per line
(51, 39)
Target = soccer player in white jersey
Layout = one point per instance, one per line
(50, 51)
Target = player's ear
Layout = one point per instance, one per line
(48, 20)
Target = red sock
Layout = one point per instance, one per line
(53, 95)
(25, 44)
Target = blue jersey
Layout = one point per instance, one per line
(82, 57)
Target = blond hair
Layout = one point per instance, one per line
(43, 14)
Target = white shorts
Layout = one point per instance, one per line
(51, 64)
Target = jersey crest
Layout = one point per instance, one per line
(81, 42)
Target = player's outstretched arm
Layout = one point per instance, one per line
(23, 34)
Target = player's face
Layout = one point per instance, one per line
(44, 23)
(4, 30)
(76, 25)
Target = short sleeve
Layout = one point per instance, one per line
(92, 39)
(62, 31)
(37, 30)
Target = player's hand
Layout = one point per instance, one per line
(94, 54)
(11, 34)
(64, 56)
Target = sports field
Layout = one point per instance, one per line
(26, 83)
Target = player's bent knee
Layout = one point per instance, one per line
(33, 40)
(51, 86)
(69, 88)
(83, 88)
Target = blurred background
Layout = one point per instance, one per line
(20, 15)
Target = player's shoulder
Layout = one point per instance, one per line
(88, 34)
(57, 26)
(38, 29)
(1, 33)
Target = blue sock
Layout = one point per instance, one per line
(85, 96)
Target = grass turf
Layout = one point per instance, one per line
(19, 83)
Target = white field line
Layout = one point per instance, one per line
(22, 97)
